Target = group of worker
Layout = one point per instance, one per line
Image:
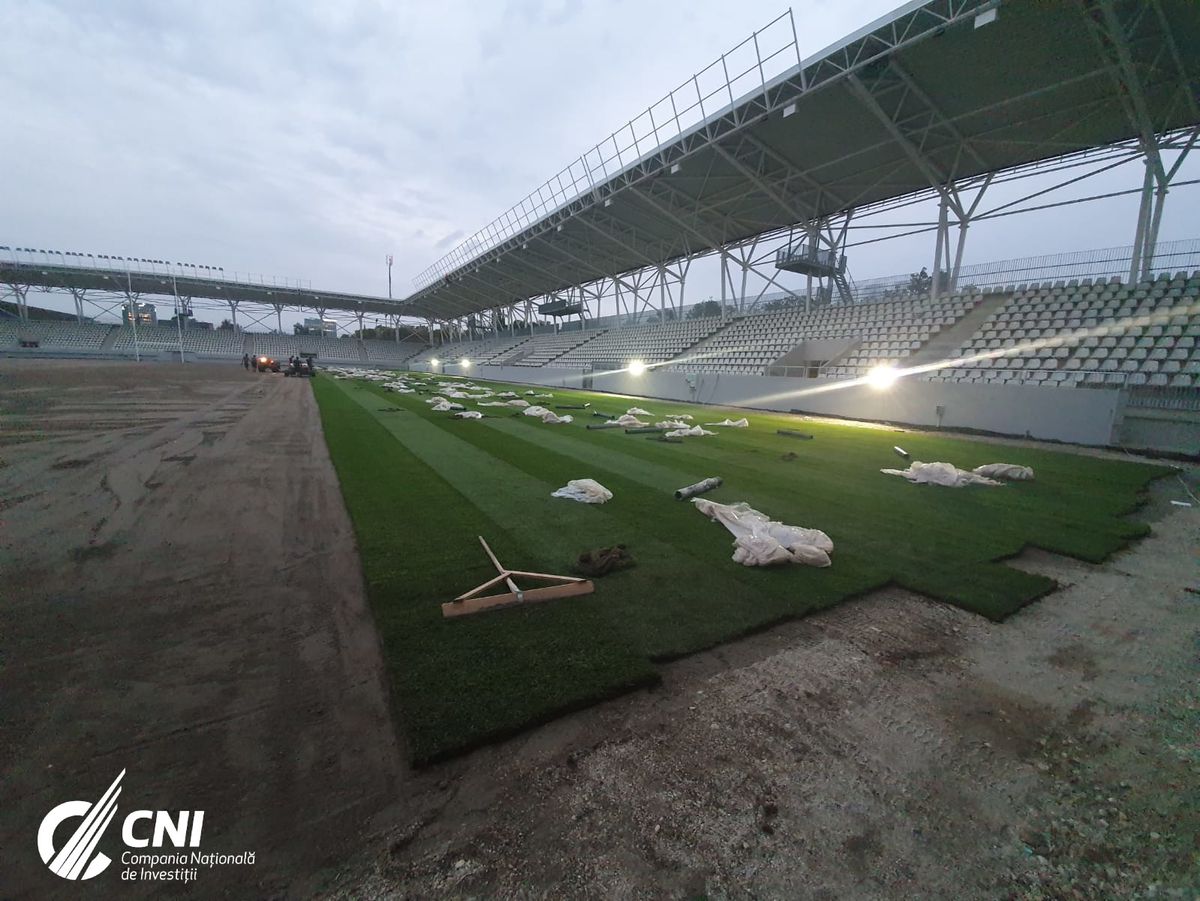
(296, 365)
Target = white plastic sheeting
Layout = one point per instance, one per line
(469, 414)
(946, 474)
(629, 421)
(547, 416)
(1009, 471)
(760, 541)
(694, 432)
(671, 425)
(445, 407)
(638, 411)
(733, 423)
(516, 403)
(586, 491)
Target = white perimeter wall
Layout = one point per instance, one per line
(1077, 415)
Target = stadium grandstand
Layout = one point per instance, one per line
(585, 278)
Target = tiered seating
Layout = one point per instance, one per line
(900, 339)
(486, 350)
(49, 333)
(890, 330)
(283, 346)
(150, 338)
(383, 351)
(1090, 333)
(500, 349)
(204, 342)
(544, 349)
(648, 343)
(213, 342)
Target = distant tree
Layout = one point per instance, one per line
(921, 283)
(705, 309)
(226, 325)
(782, 303)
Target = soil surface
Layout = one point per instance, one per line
(182, 599)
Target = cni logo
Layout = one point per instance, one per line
(78, 858)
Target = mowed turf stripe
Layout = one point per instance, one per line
(686, 594)
(463, 681)
(495, 467)
(1090, 534)
(993, 591)
(1084, 524)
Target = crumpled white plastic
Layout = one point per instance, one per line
(436, 399)
(586, 491)
(629, 421)
(547, 416)
(469, 414)
(671, 425)
(946, 474)
(759, 541)
(1011, 471)
(507, 394)
(638, 411)
(516, 403)
(694, 432)
(493, 403)
(733, 423)
(445, 407)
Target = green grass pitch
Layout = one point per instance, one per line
(420, 486)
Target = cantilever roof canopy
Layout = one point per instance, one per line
(164, 283)
(933, 93)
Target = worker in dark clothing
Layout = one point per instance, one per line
(246, 361)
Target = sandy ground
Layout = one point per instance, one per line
(182, 599)
(161, 620)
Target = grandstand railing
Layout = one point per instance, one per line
(1160, 398)
(114, 263)
(767, 54)
(1170, 256)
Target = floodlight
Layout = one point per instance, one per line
(433, 362)
(637, 367)
(466, 364)
(882, 377)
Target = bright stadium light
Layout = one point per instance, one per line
(882, 377)
(433, 362)
(637, 367)
(466, 364)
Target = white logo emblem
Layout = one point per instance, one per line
(78, 858)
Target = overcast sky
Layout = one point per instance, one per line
(309, 140)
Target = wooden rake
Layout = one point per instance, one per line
(471, 602)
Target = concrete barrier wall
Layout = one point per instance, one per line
(1077, 415)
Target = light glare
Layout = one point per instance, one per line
(637, 367)
(882, 377)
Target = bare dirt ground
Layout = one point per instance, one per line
(182, 599)
(160, 620)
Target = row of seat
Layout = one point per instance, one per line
(54, 333)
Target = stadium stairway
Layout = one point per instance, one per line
(110, 339)
(945, 344)
(696, 351)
